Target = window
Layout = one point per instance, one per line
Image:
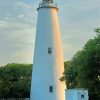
(49, 50)
(82, 96)
(51, 89)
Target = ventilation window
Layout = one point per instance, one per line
(49, 50)
(82, 96)
(51, 89)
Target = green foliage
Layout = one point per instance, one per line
(97, 30)
(83, 71)
(70, 74)
(15, 80)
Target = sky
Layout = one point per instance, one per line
(18, 19)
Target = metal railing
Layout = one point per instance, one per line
(47, 4)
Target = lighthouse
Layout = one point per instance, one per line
(48, 64)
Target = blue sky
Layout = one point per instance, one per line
(18, 19)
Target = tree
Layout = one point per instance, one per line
(15, 80)
(83, 71)
(70, 75)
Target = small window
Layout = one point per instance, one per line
(82, 96)
(49, 50)
(51, 89)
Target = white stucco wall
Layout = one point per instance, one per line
(47, 68)
(76, 94)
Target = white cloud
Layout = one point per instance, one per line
(22, 56)
(17, 32)
(77, 20)
(24, 5)
(16, 38)
(3, 24)
(8, 14)
(21, 16)
(18, 25)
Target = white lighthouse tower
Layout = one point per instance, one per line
(48, 65)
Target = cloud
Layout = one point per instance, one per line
(21, 16)
(22, 56)
(77, 20)
(17, 32)
(24, 5)
(18, 26)
(3, 24)
(16, 38)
